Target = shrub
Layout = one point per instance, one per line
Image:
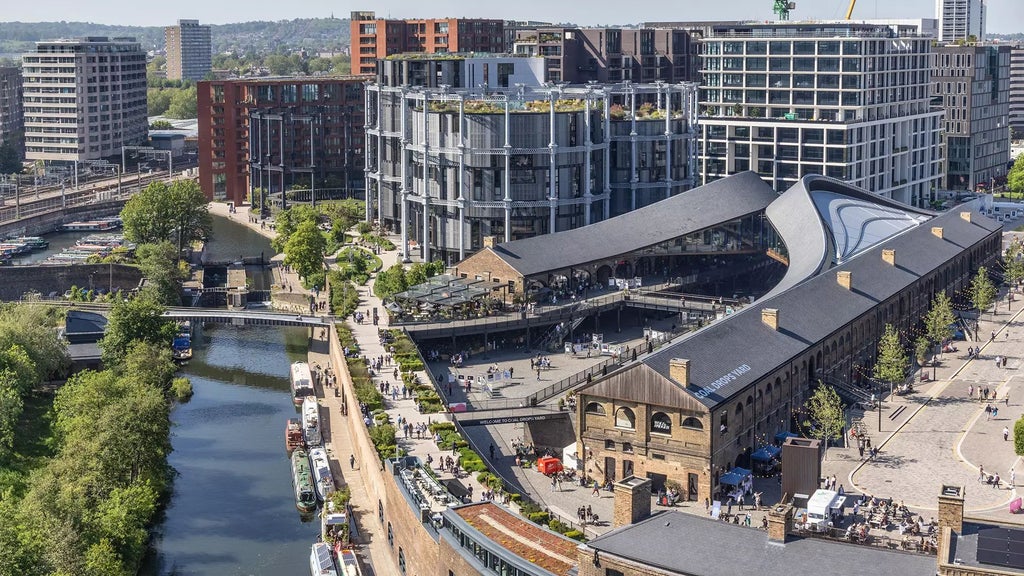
(383, 438)
(1018, 437)
(575, 535)
(364, 227)
(539, 517)
(558, 526)
(346, 338)
(516, 497)
(435, 427)
(366, 390)
(181, 389)
(470, 461)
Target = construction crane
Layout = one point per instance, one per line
(849, 11)
(782, 8)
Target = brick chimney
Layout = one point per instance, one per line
(780, 522)
(770, 317)
(889, 256)
(632, 500)
(489, 241)
(937, 232)
(679, 370)
(951, 508)
(844, 278)
(966, 216)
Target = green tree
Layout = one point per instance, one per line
(982, 291)
(161, 125)
(130, 321)
(162, 270)
(938, 322)
(390, 282)
(1015, 179)
(157, 101)
(305, 251)
(1018, 436)
(178, 213)
(825, 417)
(287, 222)
(891, 366)
(1013, 262)
(417, 274)
(921, 347)
(184, 103)
(29, 342)
(11, 406)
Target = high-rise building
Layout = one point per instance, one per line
(973, 83)
(375, 38)
(579, 55)
(961, 20)
(846, 100)
(11, 118)
(84, 99)
(1017, 89)
(189, 50)
(281, 134)
(490, 153)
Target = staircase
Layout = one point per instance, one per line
(848, 392)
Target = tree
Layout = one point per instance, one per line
(921, 347)
(416, 274)
(1013, 262)
(390, 282)
(305, 251)
(159, 212)
(1015, 179)
(161, 125)
(162, 271)
(1018, 436)
(825, 417)
(139, 319)
(287, 222)
(184, 104)
(982, 291)
(891, 366)
(11, 406)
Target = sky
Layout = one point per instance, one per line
(1004, 16)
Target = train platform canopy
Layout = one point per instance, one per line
(698, 209)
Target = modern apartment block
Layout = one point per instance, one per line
(84, 99)
(973, 82)
(281, 133)
(961, 20)
(189, 50)
(579, 55)
(11, 118)
(847, 100)
(374, 38)
(1017, 90)
(506, 158)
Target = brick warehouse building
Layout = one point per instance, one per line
(283, 132)
(375, 38)
(700, 406)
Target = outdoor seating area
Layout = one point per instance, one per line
(876, 522)
(444, 297)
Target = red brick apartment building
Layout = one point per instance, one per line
(274, 133)
(374, 38)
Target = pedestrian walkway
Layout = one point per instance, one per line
(946, 435)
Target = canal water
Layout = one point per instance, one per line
(58, 242)
(232, 241)
(232, 511)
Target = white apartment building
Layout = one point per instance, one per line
(84, 98)
(960, 19)
(846, 100)
(1017, 90)
(189, 50)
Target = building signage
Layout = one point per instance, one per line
(661, 423)
(512, 419)
(718, 384)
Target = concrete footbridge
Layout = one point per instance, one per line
(247, 317)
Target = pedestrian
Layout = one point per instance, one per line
(995, 412)
(1006, 433)
(728, 503)
(554, 482)
(492, 451)
(740, 501)
(596, 492)
(538, 373)
(981, 473)
(1013, 478)
(970, 391)
(993, 337)
(1004, 361)
(352, 461)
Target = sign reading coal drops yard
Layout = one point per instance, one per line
(721, 382)
(512, 419)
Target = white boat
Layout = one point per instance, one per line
(349, 563)
(302, 382)
(311, 421)
(323, 480)
(321, 560)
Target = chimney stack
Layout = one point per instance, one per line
(489, 241)
(951, 508)
(844, 278)
(770, 316)
(966, 216)
(937, 232)
(780, 522)
(679, 370)
(889, 256)
(632, 500)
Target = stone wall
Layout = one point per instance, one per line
(17, 280)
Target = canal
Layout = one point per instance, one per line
(232, 510)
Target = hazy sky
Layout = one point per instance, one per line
(1004, 16)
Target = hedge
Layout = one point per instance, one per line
(1018, 437)
(539, 517)
(366, 390)
(436, 427)
(470, 461)
(575, 535)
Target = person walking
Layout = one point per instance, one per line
(596, 491)
(352, 461)
(1006, 433)
(981, 473)
(970, 391)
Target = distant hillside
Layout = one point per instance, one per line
(313, 34)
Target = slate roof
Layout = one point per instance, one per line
(687, 544)
(691, 211)
(729, 355)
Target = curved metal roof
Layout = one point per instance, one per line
(691, 211)
(824, 222)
